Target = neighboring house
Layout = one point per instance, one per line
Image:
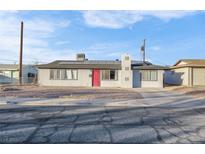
(187, 72)
(101, 73)
(9, 73)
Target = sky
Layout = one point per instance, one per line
(103, 35)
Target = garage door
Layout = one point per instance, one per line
(198, 76)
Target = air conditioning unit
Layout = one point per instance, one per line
(80, 57)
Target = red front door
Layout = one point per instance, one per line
(96, 77)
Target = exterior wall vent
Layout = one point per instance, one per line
(127, 58)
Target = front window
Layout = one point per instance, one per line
(149, 75)
(109, 75)
(63, 74)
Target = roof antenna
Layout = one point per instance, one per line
(143, 51)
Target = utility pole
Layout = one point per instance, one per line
(143, 50)
(21, 54)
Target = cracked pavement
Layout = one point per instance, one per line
(161, 117)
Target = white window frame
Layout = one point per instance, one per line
(149, 76)
(116, 75)
(60, 76)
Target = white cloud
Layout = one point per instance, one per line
(45, 55)
(44, 26)
(155, 48)
(37, 33)
(111, 19)
(62, 42)
(168, 15)
(111, 50)
(106, 46)
(122, 19)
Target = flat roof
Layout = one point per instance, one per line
(89, 64)
(101, 64)
(150, 67)
(9, 67)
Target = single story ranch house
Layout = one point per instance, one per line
(126, 73)
(187, 72)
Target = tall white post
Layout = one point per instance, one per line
(126, 72)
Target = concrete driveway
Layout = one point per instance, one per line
(160, 117)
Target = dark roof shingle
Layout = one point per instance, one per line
(101, 64)
(150, 67)
(89, 64)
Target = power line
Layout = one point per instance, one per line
(9, 60)
(157, 61)
(33, 60)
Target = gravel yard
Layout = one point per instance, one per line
(68, 92)
(197, 91)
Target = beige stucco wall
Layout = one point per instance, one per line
(84, 79)
(15, 75)
(183, 76)
(198, 76)
(154, 84)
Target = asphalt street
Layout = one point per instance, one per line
(160, 117)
